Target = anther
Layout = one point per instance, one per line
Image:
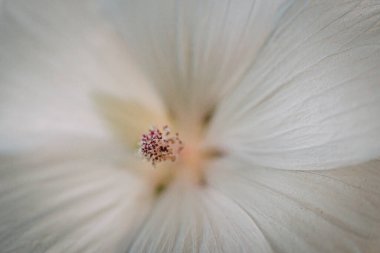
(159, 146)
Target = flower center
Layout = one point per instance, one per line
(171, 159)
(158, 146)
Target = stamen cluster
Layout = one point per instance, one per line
(158, 146)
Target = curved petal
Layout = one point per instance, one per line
(194, 51)
(54, 56)
(74, 197)
(191, 219)
(312, 100)
(307, 211)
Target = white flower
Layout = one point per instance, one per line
(278, 105)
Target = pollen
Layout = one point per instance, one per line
(159, 145)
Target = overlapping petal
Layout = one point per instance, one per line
(189, 218)
(194, 52)
(67, 197)
(55, 57)
(312, 99)
(306, 211)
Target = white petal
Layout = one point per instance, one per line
(54, 56)
(312, 100)
(71, 198)
(190, 219)
(194, 51)
(307, 211)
